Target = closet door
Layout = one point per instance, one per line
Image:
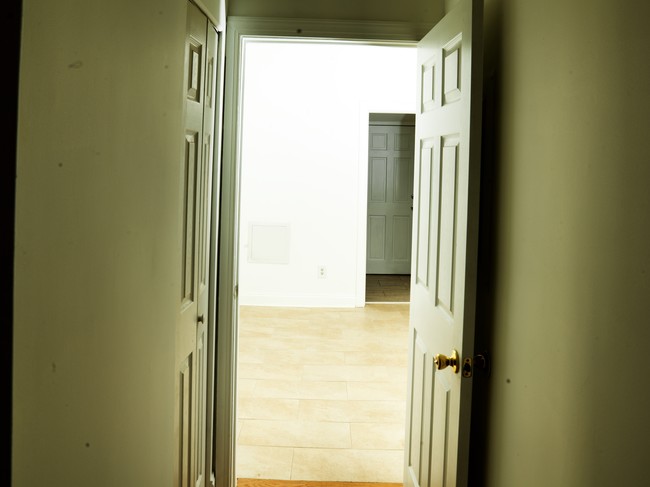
(195, 191)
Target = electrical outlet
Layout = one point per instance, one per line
(322, 272)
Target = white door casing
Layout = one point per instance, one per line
(239, 29)
(443, 278)
(390, 192)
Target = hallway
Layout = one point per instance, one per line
(321, 393)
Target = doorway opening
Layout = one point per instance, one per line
(321, 376)
(391, 138)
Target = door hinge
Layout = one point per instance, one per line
(235, 291)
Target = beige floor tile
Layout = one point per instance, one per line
(301, 389)
(267, 408)
(308, 434)
(377, 436)
(331, 344)
(238, 426)
(345, 369)
(396, 374)
(381, 391)
(246, 387)
(249, 355)
(267, 343)
(353, 411)
(317, 328)
(269, 371)
(323, 390)
(376, 340)
(263, 462)
(394, 357)
(386, 311)
(287, 389)
(348, 465)
(354, 373)
(301, 357)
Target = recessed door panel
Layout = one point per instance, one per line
(377, 237)
(402, 179)
(401, 247)
(423, 203)
(416, 430)
(378, 179)
(451, 65)
(185, 422)
(428, 81)
(446, 230)
(190, 163)
(378, 141)
(441, 422)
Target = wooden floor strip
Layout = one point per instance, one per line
(307, 483)
(388, 288)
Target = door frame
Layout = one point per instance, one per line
(365, 152)
(239, 30)
(362, 203)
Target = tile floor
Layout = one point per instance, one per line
(321, 393)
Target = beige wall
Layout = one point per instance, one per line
(566, 261)
(97, 247)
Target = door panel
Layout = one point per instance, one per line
(390, 186)
(402, 247)
(196, 175)
(445, 247)
(378, 179)
(377, 237)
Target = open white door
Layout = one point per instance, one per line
(443, 278)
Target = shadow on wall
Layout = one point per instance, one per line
(487, 278)
(11, 28)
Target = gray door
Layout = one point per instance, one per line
(390, 192)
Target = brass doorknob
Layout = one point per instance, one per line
(442, 361)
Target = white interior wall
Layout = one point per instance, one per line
(304, 165)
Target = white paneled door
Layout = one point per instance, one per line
(195, 192)
(443, 277)
(390, 203)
